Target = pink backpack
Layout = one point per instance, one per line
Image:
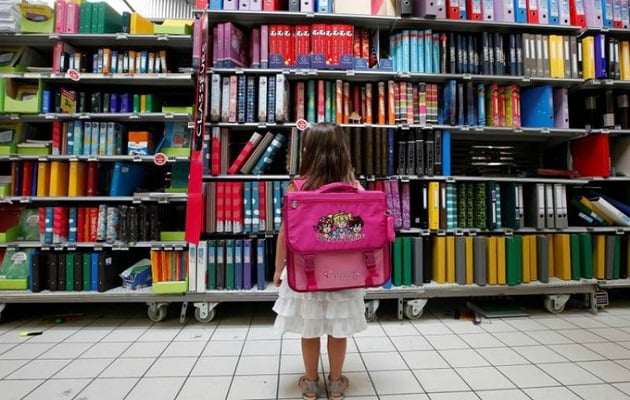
(337, 237)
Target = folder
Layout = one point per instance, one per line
(501, 260)
(76, 178)
(533, 258)
(534, 204)
(599, 56)
(543, 259)
(514, 260)
(565, 12)
(554, 12)
(396, 277)
(407, 278)
(434, 205)
(520, 10)
(470, 259)
(550, 210)
(607, 13)
(418, 260)
(532, 11)
(491, 260)
(593, 13)
(586, 255)
(460, 260)
(452, 9)
(439, 259)
(576, 256)
(481, 259)
(58, 178)
(556, 56)
(450, 259)
(526, 258)
(591, 155)
(487, 9)
(577, 13)
(588, 57)
(537, 107)
(562, 256)
(561, 108)
(543, 11)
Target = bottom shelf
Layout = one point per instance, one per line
(430, 290)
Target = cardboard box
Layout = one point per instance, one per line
(21, 97)
(385, 8)
(10, 136)
(174, 27)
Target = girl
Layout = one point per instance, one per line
(337, 314)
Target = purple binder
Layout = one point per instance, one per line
(593, 13)
(561, 108)
(307, 5)
(247, 264)
(230, 4)
(429, 9)
(504, 10)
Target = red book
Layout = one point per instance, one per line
(220, 206)
(227, 207)
(502, 106)
(318, 39)
(91, 223)
(262, 206)
(91, 187)
(27, 178)
(41, 213)
(57, 135)
(215, 151)
(245, 152)
(237, 207)
(60, 224)
(300, 100)
(81, 211)
(302, 40)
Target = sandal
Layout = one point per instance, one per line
(309, 388)
(337, 389)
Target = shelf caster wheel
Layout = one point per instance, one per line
(205, 312)
(157, 311)
(370, 310)
(554, 303)
(414, 309)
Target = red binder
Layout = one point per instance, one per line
(473, 9)
(452, 9)
(532, 11)
(591, 155)
(577, 13)
(273, 5)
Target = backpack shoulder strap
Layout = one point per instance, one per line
(299, 183)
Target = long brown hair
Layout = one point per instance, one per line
(325, 156)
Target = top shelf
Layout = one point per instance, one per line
(250, 18)
(118, 40)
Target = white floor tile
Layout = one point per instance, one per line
(496, 325)
(127, 368)
(395, 382)
(612, 351)
(607, 392)
(367, 344)
(440, 380)
(223, 348)
(383, 361)
(354, 363)
(105, 350)
(195, 333)
(58, 389)
(373, 329)
(454, 396)
(404, 397)
(612, 321)
(502, 356)
(262, 333)
(184, 349)
(407, 343)
(431, 327)
(53, 335)
(503, 394)
(66, 351)
(569, 374)
(253, 387)
(484, 378)
(196, 388)
(515, 339)
(624, 387)
(230, 333)
(525, 324)
(575, 352)
(125, 334)
(527, 376)
(159, 333)
(612, 334)
(555, 393)
(556, 323)
(108, 389)
(539, 354)
(293, 346)
(261, 347)
(173, 366)
(584, 322)
(145, 349)
(156, 388)
(89, 335)
(26, 351)
(479, 340)
(548, 337)
(83, 368)
(428, 359)
(581, 335)
(255, 365)
(445, 342)
(38, 369)
(215, 366)
(608, 371)
(399, 328)
(17, 389)
(462, 326)
(463, 358)
(293, 363)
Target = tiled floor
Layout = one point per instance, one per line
(110, 352)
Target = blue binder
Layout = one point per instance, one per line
(127, 177)
(537, 107)
(520, 11)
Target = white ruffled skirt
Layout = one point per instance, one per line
(339, 314)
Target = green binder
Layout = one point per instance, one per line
(85, 17)
(576, 264)
(229, 264)
(514, 260)
(69, 272)
(87, 272)
(397, 259)
(406, 261)
(211, 275)
(586, 252)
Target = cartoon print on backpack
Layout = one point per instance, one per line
(341, 226)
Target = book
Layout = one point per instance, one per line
(245, 152)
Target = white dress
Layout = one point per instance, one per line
(338, 313)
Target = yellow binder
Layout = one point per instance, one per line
(434, 205)
(533, 258)
(562, 256)
(439, 259)
(501, 260)
(469, 259)
(624, 68)
(450, 259)
(491, 260)
(526, 258)
(58, 178)
(556, 56)
(599, 256)
(43, 178)
(76, 178)
(588, 57)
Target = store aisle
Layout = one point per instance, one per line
(109, 352)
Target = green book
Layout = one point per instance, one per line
(576, 264)
(69, 272)
(125, 22)
(397, 259)
(310, 96)
(586, 252)
(229, 264)
(211, 274)
(514, 260)
(406, 261)
(85, 17)
(87, 272)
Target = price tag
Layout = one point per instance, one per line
(74, 75)
(302, 124)
(160, 159)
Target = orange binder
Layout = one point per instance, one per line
(76, 178)
(501, 267)
(58, 178)
(526, 258)
(599, 256)
(469, 259)
(43, 178)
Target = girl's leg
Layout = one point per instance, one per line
(336, 356)
(310, 354)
